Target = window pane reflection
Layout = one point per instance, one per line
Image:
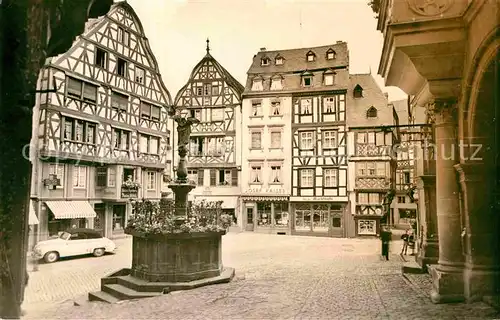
(263, 214)
(281, 214)
(320, 218)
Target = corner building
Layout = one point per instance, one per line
(297, 98)
(101, 132)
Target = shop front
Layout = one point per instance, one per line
(319, 217)
(266, 214)
(62, 215)
(368, 220)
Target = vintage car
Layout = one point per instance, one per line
(73, 242)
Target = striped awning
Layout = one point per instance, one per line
(32, 215)
(71, 209)
(265, 198)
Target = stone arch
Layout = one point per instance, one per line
(479, 170)
(486, 53)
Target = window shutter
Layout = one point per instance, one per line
(213, 177)
(201, 172)
(234, 177)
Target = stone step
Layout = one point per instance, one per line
(123, 293)
(410, 265)
(103, 297)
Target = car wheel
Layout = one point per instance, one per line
(99, 252)
(50, 257)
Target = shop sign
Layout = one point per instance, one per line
(273, 191)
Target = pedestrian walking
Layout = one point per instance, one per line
(385, 237)
(405, 238)
(411, 242)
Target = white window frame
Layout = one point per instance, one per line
(275, 145)
(264, 62)
(80, 172)
(310, 57)
(256, 109)
(329, 79)
(330, 176)
(278, 61)
(275, 109)
(276, 84)
(363, 198)
(140, 75)
(330, 55)
(257, 85)
(276, 176)
(306, 105)
(307, 175)
(329, 105)
(256, 174)
(306, 140)
(150, 180)
(329, 139)
(111, 177)
(252, 145)
(58, 170)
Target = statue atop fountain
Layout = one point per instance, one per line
(181, 186)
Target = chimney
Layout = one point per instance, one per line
(339, 41)
(263, 49)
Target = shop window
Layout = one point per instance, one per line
(303, 218)
(263, 214)
(118, 218)
(320, 218)
(367, 227)
(281, 214)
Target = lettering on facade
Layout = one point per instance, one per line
(318, 199)
(265, 191)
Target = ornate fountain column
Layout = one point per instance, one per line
(181, 186)
(448, 274)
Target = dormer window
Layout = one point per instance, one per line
(329, 78)
(330, 54)
(264, 61)
(307, 79)
(276, 83)
(358, 91)
(372, 112)
(278, 61)
(310, 56)
(257, 84)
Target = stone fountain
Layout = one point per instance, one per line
(162, 263)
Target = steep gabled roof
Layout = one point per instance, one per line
(226, 76)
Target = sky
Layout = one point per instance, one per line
(177, 31)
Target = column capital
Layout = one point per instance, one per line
(440, 107)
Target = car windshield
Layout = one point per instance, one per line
(64, 235)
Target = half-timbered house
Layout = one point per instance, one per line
(213, 96)
(296, 132)
(102, 133)
(404, 208)
(371, 165)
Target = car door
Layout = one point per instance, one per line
(77, 244)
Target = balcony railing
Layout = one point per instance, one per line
(375, 183)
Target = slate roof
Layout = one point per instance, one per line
(295, 59)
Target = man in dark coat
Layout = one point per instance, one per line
(385, 237)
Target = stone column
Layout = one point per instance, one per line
(480, 236)
(448, 274)
(429, 251)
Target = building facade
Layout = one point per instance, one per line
(404, 207)
(213, 96)
(296, 101)
(101, 129)
(445, 54)
(371, 161)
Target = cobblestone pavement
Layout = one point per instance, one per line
(277, 277)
